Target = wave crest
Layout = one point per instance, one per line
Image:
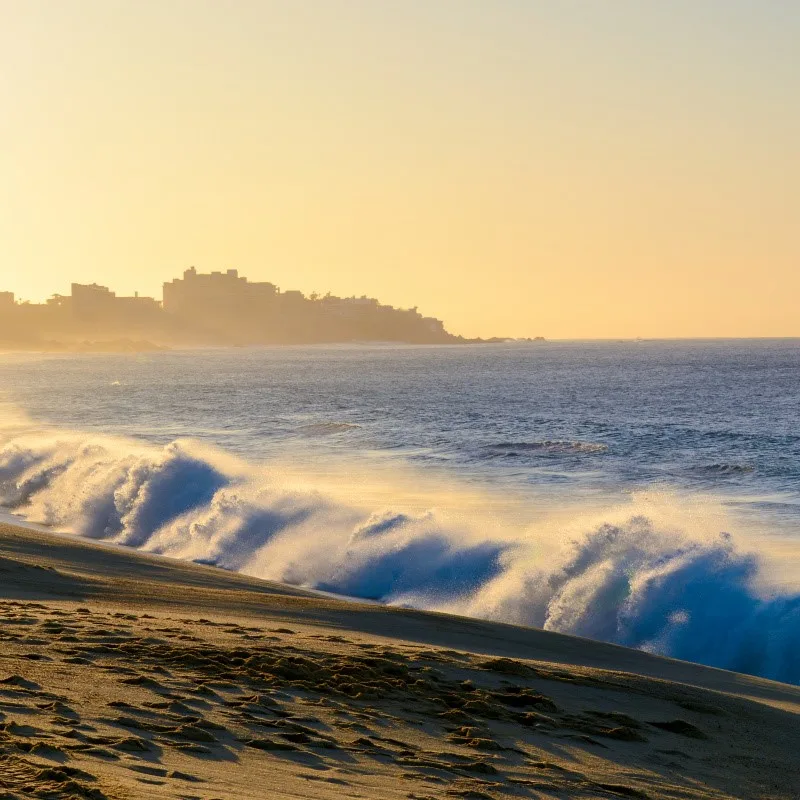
(649, 575)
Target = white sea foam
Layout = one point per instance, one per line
(658, 571)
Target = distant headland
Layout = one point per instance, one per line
(217, 308)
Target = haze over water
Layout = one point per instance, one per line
(644, 493)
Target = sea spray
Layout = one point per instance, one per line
(658, 572)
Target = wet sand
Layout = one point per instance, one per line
(125, 676)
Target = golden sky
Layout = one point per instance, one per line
(562, 168)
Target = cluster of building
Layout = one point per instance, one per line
(218, 307)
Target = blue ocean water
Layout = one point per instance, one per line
(644, 493)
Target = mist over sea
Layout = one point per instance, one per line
(643, 493)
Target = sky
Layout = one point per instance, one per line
(564, 168)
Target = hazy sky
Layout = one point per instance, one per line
(518, 167)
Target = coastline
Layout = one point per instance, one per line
(234, 684)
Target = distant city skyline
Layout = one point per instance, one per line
(572, 169)
(213, 280)
(214, 308)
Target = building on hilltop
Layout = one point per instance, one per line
(7, 301)
(215, 294)
(91, 301)
(91, 304)
(137, 305)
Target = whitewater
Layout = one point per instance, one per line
(640, 495)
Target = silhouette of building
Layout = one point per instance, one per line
(216, 308)
(91, 307)
(90, 301)
(136, 306)
(215, 293)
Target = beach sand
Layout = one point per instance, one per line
(124, 675)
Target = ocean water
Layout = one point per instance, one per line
(643, 493)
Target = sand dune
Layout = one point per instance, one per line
(125, 676)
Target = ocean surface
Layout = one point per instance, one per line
(644, 493)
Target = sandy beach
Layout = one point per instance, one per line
(124, 675)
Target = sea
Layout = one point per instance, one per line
(645, 493)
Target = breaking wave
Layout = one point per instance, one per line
(655, 574)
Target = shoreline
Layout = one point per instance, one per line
(127, 674)
(586, 652)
